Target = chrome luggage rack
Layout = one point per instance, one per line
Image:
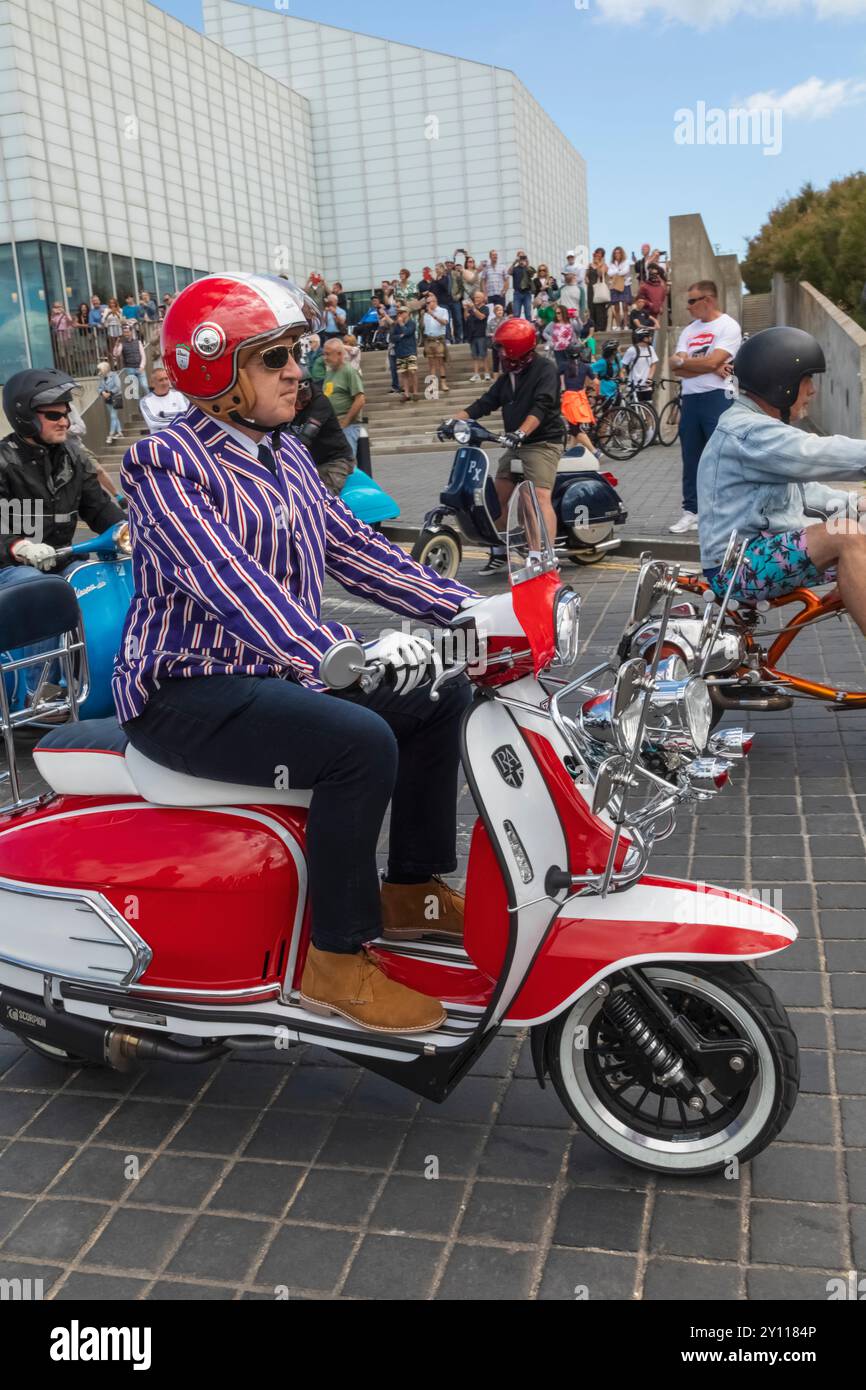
(617, 776)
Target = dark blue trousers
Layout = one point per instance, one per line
(357, 752)
(699, 415)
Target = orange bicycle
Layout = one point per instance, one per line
(729, 644)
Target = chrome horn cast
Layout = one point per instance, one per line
(654, 720)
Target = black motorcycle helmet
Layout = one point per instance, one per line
(772, 364)
(25, 391)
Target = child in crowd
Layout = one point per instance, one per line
(640, 361)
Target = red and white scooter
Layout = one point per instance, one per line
(145, 914)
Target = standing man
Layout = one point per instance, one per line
(131, 358)
(334, 319)
(345, 390)
(527, 393)
(702, 362)
(494, 280)
(434, 321)
(316, 425)
(162, 404)
(522, 275)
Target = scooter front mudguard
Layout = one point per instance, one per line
(367, 500)
(657, 919)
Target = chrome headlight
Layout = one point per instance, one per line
(566, 626)
(598, 721)
(682, 707)
(122, 543)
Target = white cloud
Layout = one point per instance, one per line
(811, 100)
(701, 15)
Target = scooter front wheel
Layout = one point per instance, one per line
(606, 1079)
(440, 551)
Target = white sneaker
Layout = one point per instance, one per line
(687, 522)
(487, 376)
(475, 377)
(110, 439)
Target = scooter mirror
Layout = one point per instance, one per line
(647, 590)
(342, 664)
(608, 782)
(628, 685)
(730, 553)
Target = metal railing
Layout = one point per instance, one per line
(81, 347)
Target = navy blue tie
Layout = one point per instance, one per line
(266, 457)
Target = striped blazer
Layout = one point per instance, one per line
(229, 562)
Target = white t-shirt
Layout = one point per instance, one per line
(578, 270)
(436, 323)
(639, 361)
(699, 340)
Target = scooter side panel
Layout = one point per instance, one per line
(525, 833)
(655, 920)
(214, 894)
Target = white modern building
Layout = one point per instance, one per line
(415, 153)
(136, 153)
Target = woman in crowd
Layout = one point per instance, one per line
(619, 274)
(598, 289)
(62, 325)
(111, 395)
(471, 279)
(82, 317)
(559, 334)
(112, 322)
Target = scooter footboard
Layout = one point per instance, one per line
(656, 919)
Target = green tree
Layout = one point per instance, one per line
(818, 235)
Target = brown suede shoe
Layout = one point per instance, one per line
(356, 987)
(413, 910)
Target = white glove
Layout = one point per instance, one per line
(408, 656)
(41, 557)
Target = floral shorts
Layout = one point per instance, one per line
(772, 567)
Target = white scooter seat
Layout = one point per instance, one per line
(95, 758)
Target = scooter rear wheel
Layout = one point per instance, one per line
(608, 1085)
(441, 551)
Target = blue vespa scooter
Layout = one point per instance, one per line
(585, 501)
(100, 572)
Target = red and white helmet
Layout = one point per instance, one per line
(209, 323)
(516, 339)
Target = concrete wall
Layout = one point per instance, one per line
(692, 258)
(730, 283)
(840, 407)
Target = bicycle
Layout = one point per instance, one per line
(669, 415)
(619, 428)
(645, 409)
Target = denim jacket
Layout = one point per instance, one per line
(757, 477)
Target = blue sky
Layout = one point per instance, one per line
(617, 76)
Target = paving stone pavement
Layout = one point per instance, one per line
(308, 1176)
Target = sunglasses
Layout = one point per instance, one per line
(275, 358)
(697, 299)
(54, 414)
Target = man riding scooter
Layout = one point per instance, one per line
(48, 481)
(218, 672)
(527, 392)
(317, 426)
(756, 476)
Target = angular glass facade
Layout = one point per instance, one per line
(34, 275)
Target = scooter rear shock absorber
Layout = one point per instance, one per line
(630, 1023)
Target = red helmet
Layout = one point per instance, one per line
(209, 323)
(515, 339)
